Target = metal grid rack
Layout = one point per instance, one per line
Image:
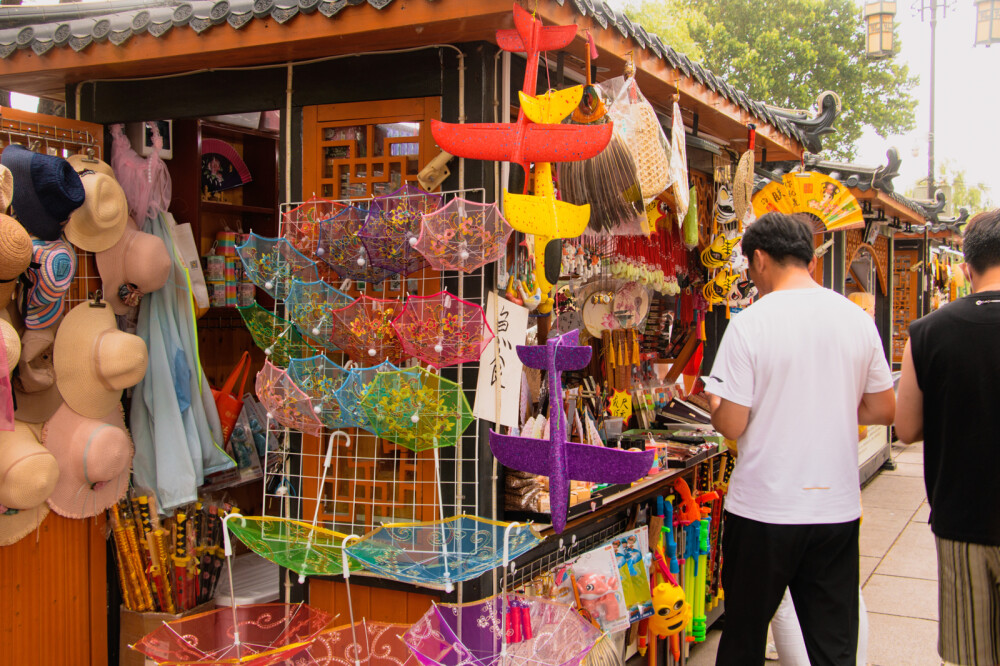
(373, 482)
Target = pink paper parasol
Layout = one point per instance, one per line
(442, 329)
(463, 235)
(285, 402)
(363, 330)
(367, 643)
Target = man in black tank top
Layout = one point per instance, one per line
(949, 396)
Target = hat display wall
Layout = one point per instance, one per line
(6, 188)
(52, 270)
(94, 458)
(100, 221)
(139, 263)
(86, 162)
(28, 476)
(36, 395)
(94, 361)
(15, 255)
(46, 190)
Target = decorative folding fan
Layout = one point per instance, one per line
(272, 264)
(342, 249)
(363, 330)
(310, 306)
(393, 227)
(828, 202)
(278, 337)
(285, 402)
(222, 168)
(442, 329)
(463, 235)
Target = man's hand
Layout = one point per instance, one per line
(728, 418)
(877, 408)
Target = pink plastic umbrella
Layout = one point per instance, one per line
(442, 329)
(285, 402)
(393, 226)
(463, 235)
(363, 330)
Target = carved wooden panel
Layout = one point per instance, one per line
(705, 190)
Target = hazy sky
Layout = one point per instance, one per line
(967, 99)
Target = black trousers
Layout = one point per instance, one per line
(819, 566)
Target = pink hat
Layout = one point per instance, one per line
(137, 264)
(94, 459)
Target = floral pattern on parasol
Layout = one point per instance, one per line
(539, 633)
(342, 249)
(272, 264)
(301, 224)
(416, 409)
(392, 228)
(439, 552)
(285, 402)
(278, 337)
(442, 329)
(319, 378)
(463, 235)
(260, 635)
(354, 388)
(364, 642)
(363, 330)
(310, 306)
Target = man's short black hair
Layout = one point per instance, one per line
(784, 237)
(981, 243)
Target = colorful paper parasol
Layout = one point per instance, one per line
(393, 227)
(538, 633)
(442, 329)
(310, 306)
(301, 225)
(364, 332)
(416, 409)
(255, 635)
(285, 402)
(341, 248)
(440, 552)
(367, 643)
(463, 235)
(272, 264)
(354, 388)
(319, 378)
(294, 544)
(279, 339)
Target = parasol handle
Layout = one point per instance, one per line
(322, 482)
(347, 584)
(225, 532)
(229, 566)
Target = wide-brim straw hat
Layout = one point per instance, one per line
(100, 221)
(87, 163)
(6, 188)
(11, 344)
(49, 277)
(15, 255)
(94, 361)
(94, 457)
(28, 476)
(743, 185)
(139, 263)
(35, 392)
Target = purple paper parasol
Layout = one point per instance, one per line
(392, 228)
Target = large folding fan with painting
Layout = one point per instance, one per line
(830, 204)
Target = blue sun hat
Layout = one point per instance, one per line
(46, 190)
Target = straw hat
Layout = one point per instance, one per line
(35, 390)
(15, 255)
(46, 190)
(94, 457)
(743, 185)
(94, 361)
(100, 221)
(28, 475)
(52, 270)
(137, 264)
(11, 344)
(6, 188)
(85, 163)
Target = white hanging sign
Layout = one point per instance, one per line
(499, 366)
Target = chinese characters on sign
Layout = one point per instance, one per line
(499, 367)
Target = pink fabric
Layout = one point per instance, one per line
(145, 180)
(6, 396)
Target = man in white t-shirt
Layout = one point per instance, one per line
(795, 375)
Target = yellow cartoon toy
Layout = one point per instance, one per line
(671, 612)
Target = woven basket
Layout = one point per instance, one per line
(651, 158)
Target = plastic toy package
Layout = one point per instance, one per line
(599, 588)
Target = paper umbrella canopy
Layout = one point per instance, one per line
(278, 337)
(416, 409)
(366, 643)
(440, 552)
(310, 306)
(342, 249)
(257, 635)
(272, 264)
(393, 226)
(301, 225)
(463, 235)
(285, 402)
(442, 329)
(353, 389)
(540, 632)
(319, 378)
(363, 330)
(308, 550)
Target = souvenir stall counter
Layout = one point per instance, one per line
(399, 339)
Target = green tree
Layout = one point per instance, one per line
(961, 193)
(786, 52)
